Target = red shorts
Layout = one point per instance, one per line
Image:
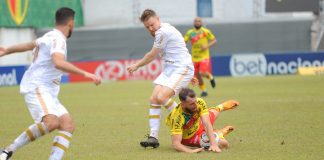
(202, 66)
(194, 140)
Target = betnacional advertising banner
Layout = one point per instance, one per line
(11, 75)
(259, 64)
(236, 65)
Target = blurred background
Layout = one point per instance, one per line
(255, 37)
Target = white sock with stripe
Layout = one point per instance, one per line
(32, 133)
(170, 104)
(155, 116)
(60, 145)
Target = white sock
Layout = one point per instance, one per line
(60, 145)
(154, 120)
(170, 104)
(32, 133)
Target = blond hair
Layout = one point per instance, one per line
(147, 13)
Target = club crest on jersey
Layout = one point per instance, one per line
(18, 10)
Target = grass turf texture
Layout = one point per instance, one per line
(280, 117)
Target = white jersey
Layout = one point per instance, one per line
(42, 72)
(174, 50)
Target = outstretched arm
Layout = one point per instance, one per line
(17, 48)
(209, 129)
(65, 66)
(176, 144)
(149, 57)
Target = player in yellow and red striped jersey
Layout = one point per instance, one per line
(201, 40)
(191, 119)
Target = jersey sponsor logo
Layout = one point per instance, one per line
(169, 61)
(8, 79)
(197, 36)
(18, 10)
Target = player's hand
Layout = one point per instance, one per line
(132, 68)
(3, 51)
(194, 81)
(204, 47)
(214, 148)
(95, 79)
(197, 150)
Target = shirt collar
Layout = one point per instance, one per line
(61, 33)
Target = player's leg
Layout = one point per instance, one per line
(39, 105)
(166, 87)
(230, 104)
(32, 133)
(202, 86)
(223, 143)
(220, 140)
(161, 96)
(213, 115)
(167, 84)
(205, 72)
(155, 112)
(63, 138)
(176, 82)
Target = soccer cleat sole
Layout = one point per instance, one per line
(145, 145)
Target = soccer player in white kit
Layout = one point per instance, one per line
(41, 84)
(178, 70)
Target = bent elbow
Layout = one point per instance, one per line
(58, 65)
(176, 147)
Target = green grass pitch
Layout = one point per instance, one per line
(280, 117)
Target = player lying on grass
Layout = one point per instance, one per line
(191, 124)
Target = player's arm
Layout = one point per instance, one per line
(212, 40)
(17, 48)
(187, 36)
(211, 43)
(209, 129)
(65, 66)
(176, 144)
(149, 57)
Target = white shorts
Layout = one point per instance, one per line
(41, 103)
(175, 78)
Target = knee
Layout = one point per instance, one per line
(203, 74)
(214, 111)
(52, 124)
(153, 100)
(223, 144)
(67, 126)
(161, 99)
